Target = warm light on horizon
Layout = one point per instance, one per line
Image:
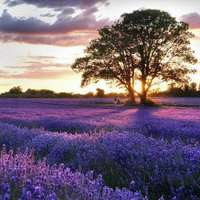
(37, 52)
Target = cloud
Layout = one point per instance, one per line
(37, 67)
(40, 62)
(41, 74)
(42, 57)
(56, 4)
(66, 40)
(36, 74)
(193, 19)
(3, 73)
(64, 24)
(48, 15)
(10, 24)
(67, 30)
(75, 24)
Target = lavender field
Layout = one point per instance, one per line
(91, 149)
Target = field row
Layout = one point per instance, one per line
(22, 179)
(157, 122)
(153, 150)
(157, 167)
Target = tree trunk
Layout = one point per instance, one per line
(131, 94)
(143, 97)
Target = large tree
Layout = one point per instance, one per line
(109, 57)
(163, 47)
(146, 45)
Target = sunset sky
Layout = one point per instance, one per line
(40, 39)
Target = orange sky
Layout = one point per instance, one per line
(39, 41)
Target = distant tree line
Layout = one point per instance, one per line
(17, 92)
(184, 90)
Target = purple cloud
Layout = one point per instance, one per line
(59, 40)
(64, 23)
(56, 4)
(65, 31)
(10, 24)
(193, 19)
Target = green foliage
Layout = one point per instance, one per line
(184, 90)
(15, 90)
(100, 92)
(145, 45)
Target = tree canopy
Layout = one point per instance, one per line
(145, 45)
